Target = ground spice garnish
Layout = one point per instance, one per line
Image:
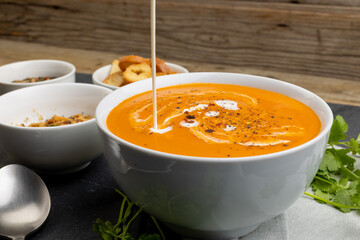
(189, 121)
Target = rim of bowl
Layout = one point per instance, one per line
(215, 160)
(97, 81)
(72, 71)
(54, 128)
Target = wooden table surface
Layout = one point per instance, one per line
(333, 90)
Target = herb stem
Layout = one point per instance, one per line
(352, 175)
(127, 214)
(331, 183)
(131, 220)
(121, 213)
(159, 228)
(339, 143)
(331, 203)
(120, 231)
(122, 194)
(112, 234)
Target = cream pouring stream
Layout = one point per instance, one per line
(153, 62)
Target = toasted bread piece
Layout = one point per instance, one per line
(126, 61)
(136, 72)
(114, 67)
(115, 79)
(160, 74)
(161, 66)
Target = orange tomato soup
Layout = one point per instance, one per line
(214, 120)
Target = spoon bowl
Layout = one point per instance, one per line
(24, 202)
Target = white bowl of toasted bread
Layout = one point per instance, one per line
(129, 69)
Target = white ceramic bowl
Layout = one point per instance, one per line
(214, 198)
(100, 74)
(58, 149)
(62, 71)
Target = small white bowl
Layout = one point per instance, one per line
(214, 198)
(62, 71)
(100, 74)
(59, 149)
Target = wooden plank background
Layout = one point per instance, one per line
(320, 38)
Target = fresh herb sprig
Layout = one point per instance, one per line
(337, 181)
(120, 231)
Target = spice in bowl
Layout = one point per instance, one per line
(61, 121)
(33, 79)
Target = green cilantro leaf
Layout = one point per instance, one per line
(355, 145)
(338, 130)
(344, 158)
(330, 162)
(343, 197)
(358, 139)
(337, 181)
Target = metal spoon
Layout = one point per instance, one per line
(24, 201)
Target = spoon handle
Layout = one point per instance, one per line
(18, 238)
